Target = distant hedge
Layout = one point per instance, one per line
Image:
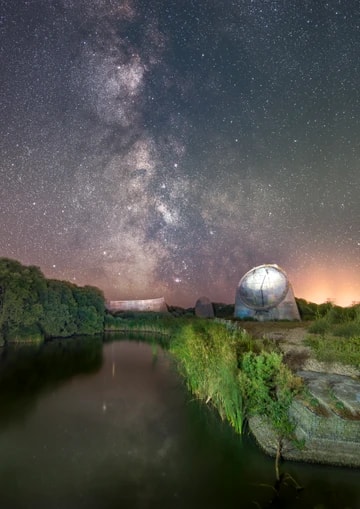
(33, 307)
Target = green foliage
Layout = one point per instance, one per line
(268, 388)
(156, 323)
(29, 334)
(90, 309)
(307, 310)
(59, 310)
(319, 326)
(337, 335)
(331, 313)
(223, 366)
(32, 306)
(20, 290)
(207, 356)
(335, 349)
(347, 330)
(337, 314)
(337, 321)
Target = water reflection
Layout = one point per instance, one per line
(123, 432)
(27, 371)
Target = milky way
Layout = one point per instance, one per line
(165, 147)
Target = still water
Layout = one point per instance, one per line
(90, 425)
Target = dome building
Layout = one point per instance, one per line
(265, 293)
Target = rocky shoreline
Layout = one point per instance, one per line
(327, 423)
(327, 419)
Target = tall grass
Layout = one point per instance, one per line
(224, 367)
(335, 349)
(140, 322)
(338, 321)
(335, 336)
(207, 357)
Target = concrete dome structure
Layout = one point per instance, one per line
(265, 293)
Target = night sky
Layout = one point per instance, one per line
(165, 147)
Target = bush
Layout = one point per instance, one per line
(51, 308)
(222, 366)
(268, 388)
(320, 326)
(347, 330)
(30, 334)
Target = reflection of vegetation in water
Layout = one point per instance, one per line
(27, 371)
(224, 367)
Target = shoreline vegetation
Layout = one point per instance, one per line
(223, 366)
(243, 376)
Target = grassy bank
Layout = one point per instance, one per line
(25, 335)
(335, 349)
(207, 355)
(224, 367)
(155, 323)
(238, 376)
(335, 336)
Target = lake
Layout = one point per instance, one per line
(87, 424)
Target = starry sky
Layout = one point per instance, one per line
(166, 147)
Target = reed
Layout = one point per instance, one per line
(224, 367)
(147, 323)
(207, 358)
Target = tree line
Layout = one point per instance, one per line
(32, 306)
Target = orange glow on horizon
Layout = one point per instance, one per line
(318, 284)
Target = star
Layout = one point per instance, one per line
(142, 139)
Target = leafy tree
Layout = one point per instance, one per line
(20, 290)
(30, 302)
(59, 310)
(90, 309)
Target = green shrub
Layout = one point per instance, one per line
(31, 334)
(55, 308)
(268, 388)
(306, 309)
(223, 366)
(347, 330)
(320, 326)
